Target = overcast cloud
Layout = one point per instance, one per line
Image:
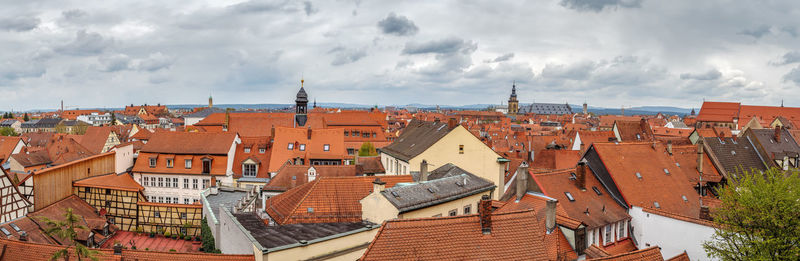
(608, 52)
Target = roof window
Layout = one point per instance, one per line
(430, 190)
(15, 227)
(655, 203)
(572, 176)
(596, 190)
(310, 210)
(666, 171)
(395, 194)
(638, 175)
(733, 152)
(677, 164)
(569, 196)
(684, 198)
(5, 231)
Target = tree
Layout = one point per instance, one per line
(758, 218)
(113, 119)
(8, 131)
(25, 117)
(66, 229)
(367, 149)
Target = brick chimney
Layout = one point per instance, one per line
(117, 249)
(700, 158)
(485, 213)
(550, 216)
(581, 175)
(705, 213)
(23, 236)
(378, 185)
(452, 123)
(423, 171)
(309, 133)
(522, 180)
(778, 134)
(669, 147)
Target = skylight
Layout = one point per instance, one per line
(310, 210)
(733, 152)
(638, 175)
(597, 191)
(655, 203)
(569, 196)
(666, 171)
(430, 190)
(15, 227)
(572, 176)
(684, 198)
(394, 193)
(5, 231)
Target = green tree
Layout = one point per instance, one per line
(66, 229)
(758, 218)
(25, 117)
(113, 119)
(367, 149)
(8, 131)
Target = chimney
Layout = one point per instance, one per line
(778, 134)
(272, 133)
(309, 133)
(550, 215)
(700, 158)
(227, 120)
(23, 236)
(423, 171)
(117, 249)
(583, 146)
(378, 185)
(522, 180)
(451, 123)
(581, 177)
(705, 213)
(355, 161)
(669, 147)
(485, 213)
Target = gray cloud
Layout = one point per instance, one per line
(793, 76)
(712, 74)
(444, 46)
(309, 8)
(259, 6)
(790, 29)
(788, 58)
(757, 32)
(113, 63)
(155, 62)
(501, 58)
(342, 55)
(576, 71)
(397, 25)
(599, 5)
(73, 14)
(85, 44)
(19, 23)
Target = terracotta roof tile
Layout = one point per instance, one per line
(190, 143)
(17, 250)
(110, 181)
(647, 254)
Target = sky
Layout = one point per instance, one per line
(609, 53)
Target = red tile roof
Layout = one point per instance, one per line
(7, 145)
(681, 257)
(142, 165)
(145, 242)
(536, 202)
(110, 181)
(719, 111)
(190, 143)
(255, 145)
(647, 254)
(515, 235)
(313, 148)
(326, 200)
(291, 176)
(555, 159)
(95, 138)
(89, 217)
(634, 130)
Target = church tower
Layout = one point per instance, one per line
(210, 102)
(301, 107)
(513, 104)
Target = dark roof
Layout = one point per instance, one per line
(47, 123)
(205, 112)
(734, 155)
(291, 234)
(417, 137)
(546, 108)
(300, 119)
(446, 170)
(302, 96)
(419, 195)
(774, 148)
(7, 123)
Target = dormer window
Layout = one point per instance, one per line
(346, 133)
(206, 166)
(246, 150)
(262, 150)
(249, 170)
(170, 163)
(290, 146)
(187, 163)
(152, 162)
(326, 147)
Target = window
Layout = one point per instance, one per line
(175, 184)
(591, 236)
(684, 198)
(262, 150)
(160, 182)
(183, 229)
(157, 214)
(194, 184)
(291, 146)
(467, 209)
(453, 212)
(5, 231)
(186, 183)
(152, 162)
(175, 200)
(460, 149)
(187, 164)
(597, 191)
(160, 199)
(609, 236)
(249, 170)
(351, 151)
(246, 150)
(206, 166)
(170, 163)
(108, 204)
(302, 147)
(346, 133)
(205, 183)
(374, 135)
(326, 147)
(569, 196)
(666, 171)
(622, 231)
(638, 175)
(310, 210)
(108, 192)
(146, 181)
(185, 201)
(655, 203)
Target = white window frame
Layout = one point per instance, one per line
(247, 150)
(249, 170)
(291, 146)
(185, 183)
(170, 163)
(153, 162)
(608, 234)
(175, 183)
(326, 147)
(187, 163)
(194, 184)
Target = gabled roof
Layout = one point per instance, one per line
(190, 143)
(555, 159)
(95, 138)
(325, 200)
(732, 156)
(19, 250)
(289, 235)
(7, 146)
(290, 176)
(419, 195)
(632, 131)
(647, 254)
(313, 148)
(515, 235)
(89, 218)
(110, 181)
(719, 111)
(775, 147)
(417, 137)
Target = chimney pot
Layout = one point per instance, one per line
(378, 185)
(23, 236)
(117, 249)
(485, 213)
(705, 213)
(550, 215)
(423, 171)
(778, 134)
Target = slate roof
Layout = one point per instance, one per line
(733, 155)
(417, 137)
(446, 170)
(291, 234)
(7, 123)
(419, 195)
(774, 148)
(47, 123)
(205, 112)
(546, 108)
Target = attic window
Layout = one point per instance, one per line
(638, 175)
(655, 203)
(291, 146)
(569, 196)
(246, 150)
(666, 171)
(302, 147)
(152, 162)
(684, 198)
(572, 176)
(262, 150)
(638, 137)
(677, 164)
(597, 191)
(310, 210)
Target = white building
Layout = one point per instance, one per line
(95, 119)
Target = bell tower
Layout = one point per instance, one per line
(513, 104)
(302, 100)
